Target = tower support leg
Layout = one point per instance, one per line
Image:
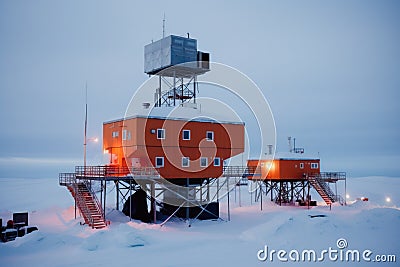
(117, 193)
(153, 201)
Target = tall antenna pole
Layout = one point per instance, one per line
(163, 26)
(85, 133)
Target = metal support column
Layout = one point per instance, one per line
(187, 200)
(194, 89)
(182, 90)
(291, 192)
(159, 91)
(345, 192)
(308, 196)
(174, 89)
(251, 193)
(255, 194)
(217, 188)
(261, 193)
(227, 188)
(272, 191)
(101, 193)
(75, 188)
(240, 195)
(105, 193)
(153, 201)
(208, 189)
(130, 200)
(117, 193)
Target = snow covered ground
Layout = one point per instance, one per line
(62, 241)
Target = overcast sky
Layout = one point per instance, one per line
(329, 69)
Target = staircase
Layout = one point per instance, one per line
(86, 201)
(323, 189)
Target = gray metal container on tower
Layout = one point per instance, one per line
(170, 51)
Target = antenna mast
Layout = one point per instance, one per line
(163, 26)
(85, 134)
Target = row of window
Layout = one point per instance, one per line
(313, 165)
(186, 162)
(126, 135)
(185, 135)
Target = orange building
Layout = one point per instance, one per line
(176, 147)
(290, 166)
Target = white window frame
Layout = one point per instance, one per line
(188, 162)
(301, 165)
(183, 134)
(212, 135)
(201, 162)
(115, 134)
(161, 130)
(126, 135)
(314, 166)
(219, 161)
(156, 163)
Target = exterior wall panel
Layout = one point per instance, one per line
(143, 146)
(283, 169)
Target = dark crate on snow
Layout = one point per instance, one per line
(9, 235)
(20, 218)
(26, 230)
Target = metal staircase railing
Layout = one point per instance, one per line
(70, 181)
(239, 171)
(321, 190)
(320, 182)
(93, 172)
(325, 187)
(82, 205)
(95, 200)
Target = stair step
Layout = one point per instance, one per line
(87, 206)
(99, 223)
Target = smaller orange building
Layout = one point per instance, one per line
(288, 166)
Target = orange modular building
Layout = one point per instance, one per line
(176, 147)
(284, 167)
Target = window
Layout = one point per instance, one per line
(210, 136)
(302, 165)
(217, 162)
(203, 162)
(126, 135)
(160, 133)
(314, 165)
(185, 162)
(115, 134)
(268, 165)
(186, 135)
(159, 162)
